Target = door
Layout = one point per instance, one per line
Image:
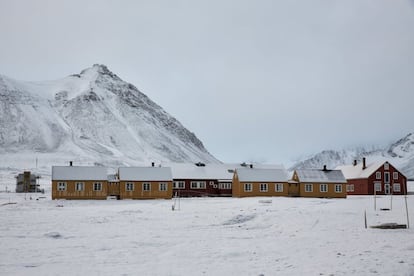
(387, 189)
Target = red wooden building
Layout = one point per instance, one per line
(199, 179)
(379, 178)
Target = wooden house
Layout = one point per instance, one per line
(79, 182)
(379, 177)
(320, 183)
(193, 180)
(145, 182)
(260, 182)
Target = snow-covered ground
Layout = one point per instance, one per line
(207, 236)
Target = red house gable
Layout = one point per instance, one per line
(376, 177)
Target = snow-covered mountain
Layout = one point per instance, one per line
(91, 117)
(400, 154)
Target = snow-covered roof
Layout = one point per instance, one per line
(145, 174)
(222, 172)
(325, 176)
(262, 175)
(356, 172)
(79, 173)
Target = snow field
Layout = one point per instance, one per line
(207, 236)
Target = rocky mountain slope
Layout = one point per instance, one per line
(91, 117)
(399, 153)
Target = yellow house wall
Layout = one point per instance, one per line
(271, 189)
(235, 186)
(139, 193)
(71, 193)
(317, 193)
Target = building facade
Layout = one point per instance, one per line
(320, 183)
(380, 178)
(79, 182)
(248, 182)
(145, 182)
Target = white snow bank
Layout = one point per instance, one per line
(208, 236)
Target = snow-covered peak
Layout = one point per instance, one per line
(403, 147)
(400, 154)
(93, 116)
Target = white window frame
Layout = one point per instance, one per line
(396, 187)
(129, 186)
(163, 186)
(323, 188)
(377, 186)
(279, 187)
(309, 188)
(264, 187)
(80, 186)
(386, 166)
(179, 184)
(198, 185)
(248, 187)
(338, 188)
(350, 188)
(395, 175)
(378, 175)
(97, 186)
(146, 186)
(61, 186)
(225, 186)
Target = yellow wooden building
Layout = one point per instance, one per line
(249, 182)
(79, 182)
(320, 183)
(145, 182)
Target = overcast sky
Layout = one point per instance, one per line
(267, 81)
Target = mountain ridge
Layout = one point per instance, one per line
(400, 153)
(93, 115)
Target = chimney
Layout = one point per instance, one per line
(153, 164)
(364, 163)
(70, 163)
(324, 168)
(355, 162)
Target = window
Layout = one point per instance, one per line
(397, 187)
(178, 185)
(387, 177)
(61, 186)
(395, 175)
(378, 187)
(97, 186)
(146, 186)
(308, 187)
(323, 188)
(263, 187)
(279, 187)
(129, 186)
(350, 188)
(378, 175)
(198, 184)
(386, 166)
(225, 185)
(248, 187)
(79, 186)
(338, 188)
(163, 186)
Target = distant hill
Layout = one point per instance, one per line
(399, 153)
